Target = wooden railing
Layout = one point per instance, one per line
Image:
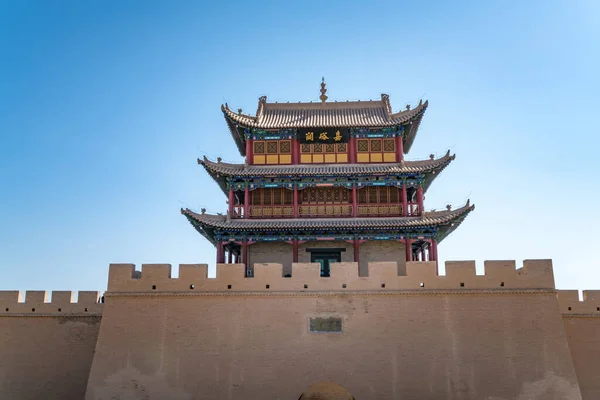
(333, 210)
(380, 210)
(271, 212)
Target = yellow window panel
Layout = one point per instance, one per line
(329, 158)
(259, 159)
(273, 159)
(317, 158)
(389, 157)
(285, 159)
(306, 158)
(376, 157)
(362, 157)
(342, 158)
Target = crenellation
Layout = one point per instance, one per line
(9, 297)
(460, 275)
(539, 273)
(36, 303)
(194, 273)
(64, 297)
(36, 297)
(461, 270)
(569, 303)
(156, 272)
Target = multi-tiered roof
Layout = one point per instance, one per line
(296, 166)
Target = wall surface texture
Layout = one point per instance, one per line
(461, 336)
(582, 326)
(47, 353)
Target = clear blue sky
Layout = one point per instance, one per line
(105, 106)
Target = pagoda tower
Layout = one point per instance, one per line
(326, 182)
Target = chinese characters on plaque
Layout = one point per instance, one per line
(323, 135)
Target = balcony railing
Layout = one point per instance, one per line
(333, 210)
(379, 210)
(271, 211)
(327, 211)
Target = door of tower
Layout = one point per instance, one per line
(325, 258)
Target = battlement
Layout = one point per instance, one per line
(460, 275)
(569, 303)
(36, 303)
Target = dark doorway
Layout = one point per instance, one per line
(325, 257)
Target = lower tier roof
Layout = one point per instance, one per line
(444, 222)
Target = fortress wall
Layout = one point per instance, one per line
(582, 326)
(500, 275)
(441, 341)
(47, 348)
(382, 250)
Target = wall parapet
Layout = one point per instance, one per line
(382, 276)
(61, 304)
(569, 303)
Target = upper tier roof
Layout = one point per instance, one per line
(431, 168)
(351, 114)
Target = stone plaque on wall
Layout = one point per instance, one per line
(325, 324)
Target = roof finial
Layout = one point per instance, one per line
(323, 97)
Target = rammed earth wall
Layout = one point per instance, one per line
(46, 349)
(507, 334)
(582, 326)
(498, 336)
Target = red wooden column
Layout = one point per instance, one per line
(246, 200)
(435, 254)
(295, 152)
(399, 148)
(356, 252)
(220, 253)
(245, 256)
(249, 152)
(295, 201)
(408, 246)
(420, 199)
(423, 253)
(404, 201)
(354, 202)
(231, 200)
(295, 250)
(229, 257)
(352, 150)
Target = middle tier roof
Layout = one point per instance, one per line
(221, 171)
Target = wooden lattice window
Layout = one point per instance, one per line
(389, 145)
(329, 195)
(379, 195)
(363, 145)
(376, 150)
(324, 153)
(272, 152)
(259, 147)
(285, 147)
(272, 147)
(271, 197)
